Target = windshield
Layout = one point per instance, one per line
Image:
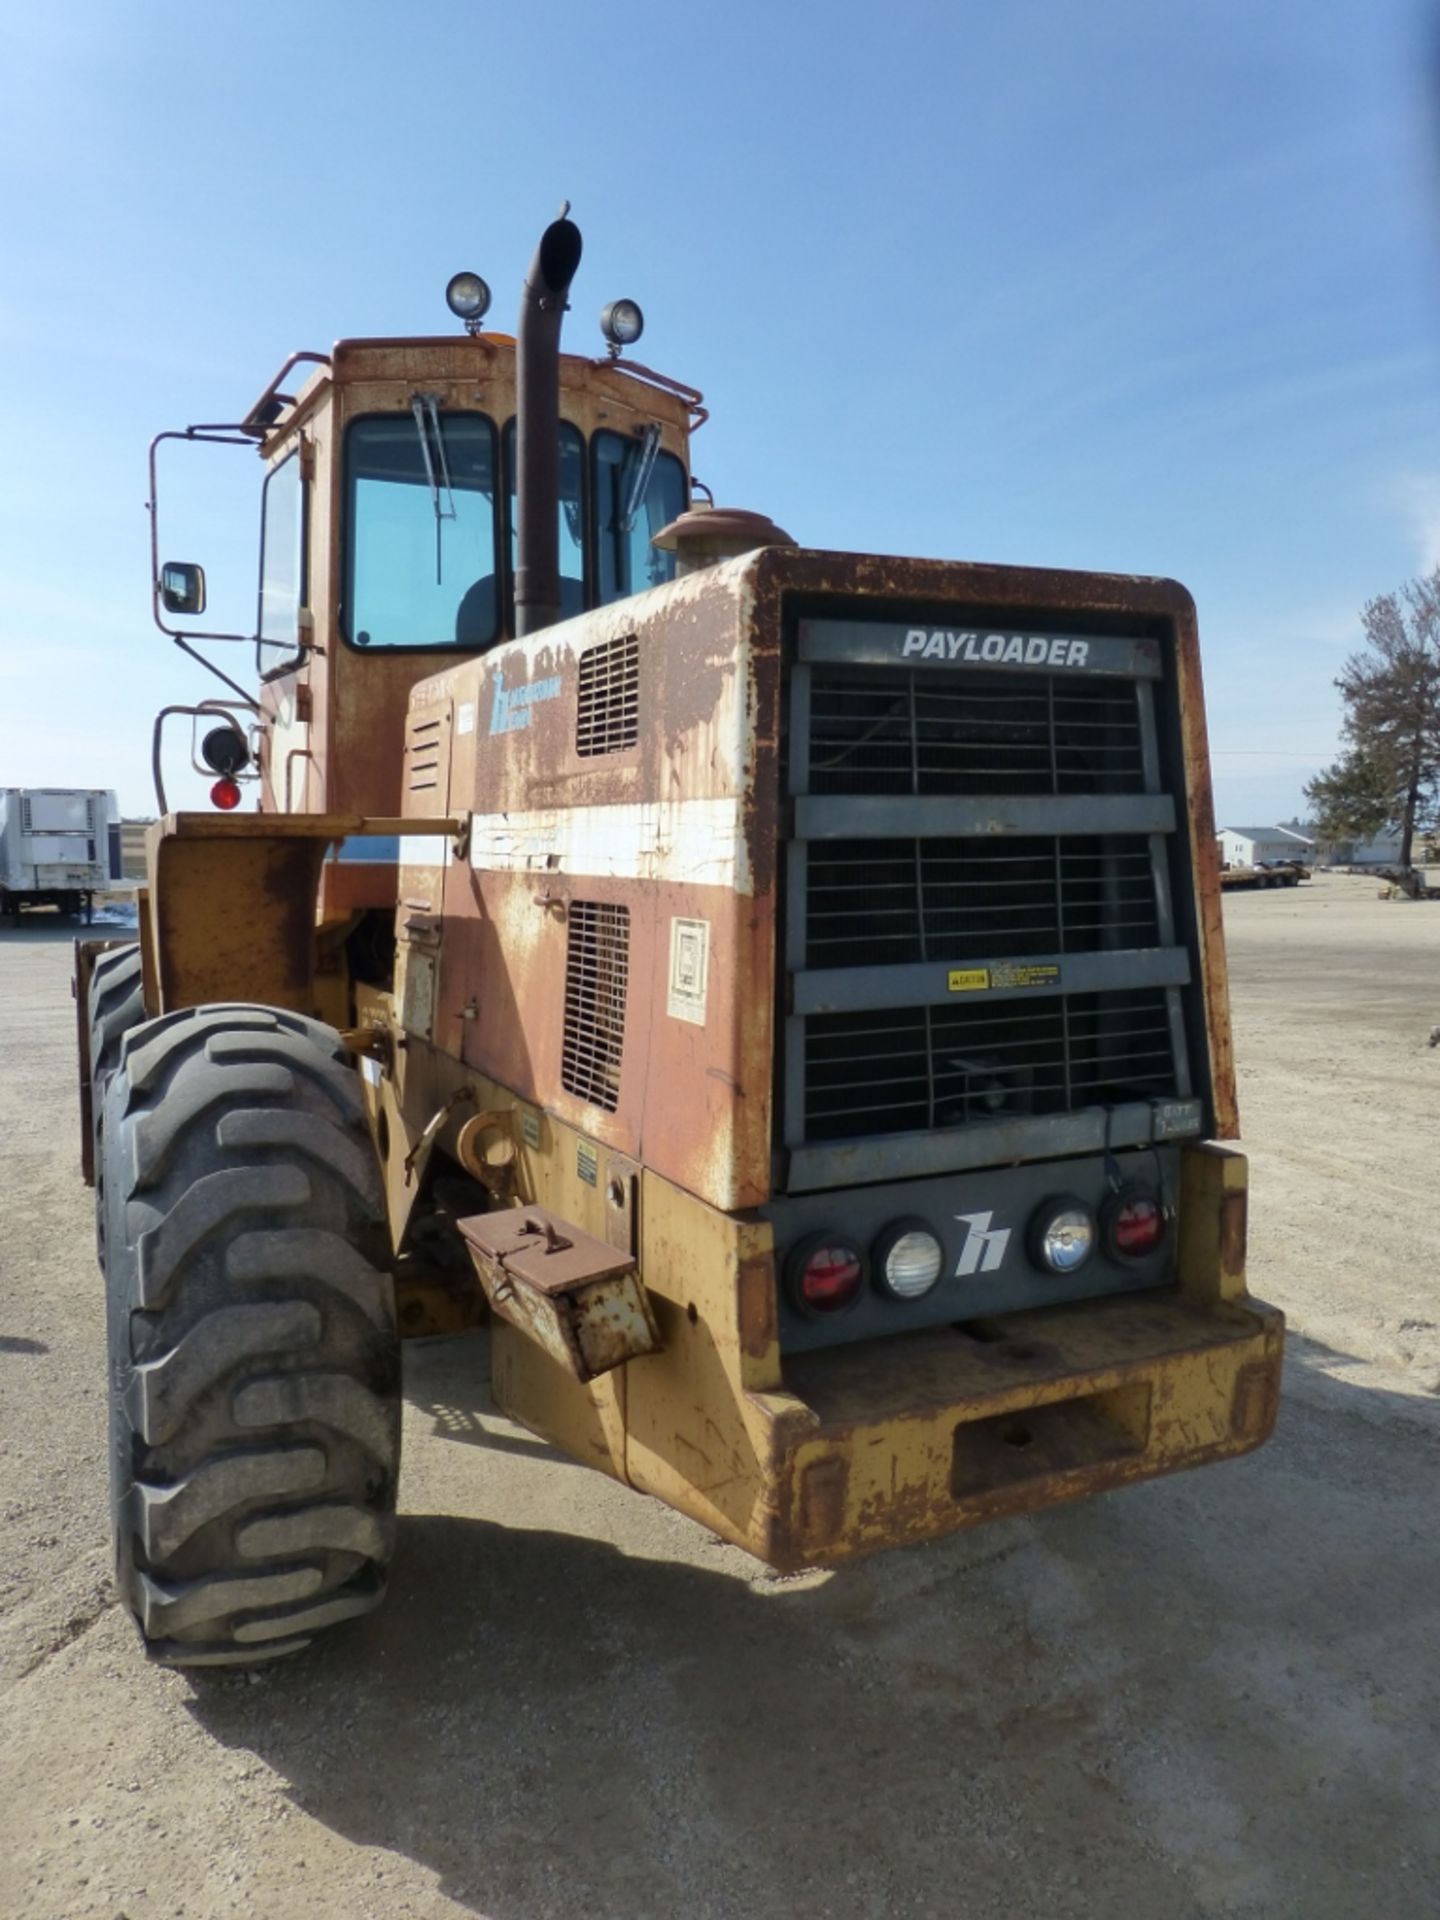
(420, 516)
(631, 506)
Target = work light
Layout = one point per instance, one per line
(468, 298)
(622, 323)
(224, 750)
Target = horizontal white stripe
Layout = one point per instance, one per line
(690, 842)
(424, 850)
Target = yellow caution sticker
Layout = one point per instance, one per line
(1010, 975)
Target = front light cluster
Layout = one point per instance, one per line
(826, 1273)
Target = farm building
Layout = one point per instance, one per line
(1384, 851)
(1254, 846)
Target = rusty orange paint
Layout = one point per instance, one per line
(1234, 1217)
(349, 755)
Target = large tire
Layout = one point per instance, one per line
(115, 1007)
(254, 1357)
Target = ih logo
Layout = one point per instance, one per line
(983, 1250)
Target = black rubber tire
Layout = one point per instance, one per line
(254, 1356)
(115, 1007)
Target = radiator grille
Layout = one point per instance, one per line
(597, 961)
(908, 1068)
(890, 902)
(906, 731)
(1063, 867)
(608, 713)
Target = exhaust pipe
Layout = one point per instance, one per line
(537, 426)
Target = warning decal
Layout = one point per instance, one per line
(689, 970)
(1008, 975)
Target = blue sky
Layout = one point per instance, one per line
(1144, 285)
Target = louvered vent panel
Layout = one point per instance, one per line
(597, 964)
(908, 1068)
(427, 759)
(26, 817)
(608, 714)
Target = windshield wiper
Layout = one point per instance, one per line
(640, 477)
(426, 409)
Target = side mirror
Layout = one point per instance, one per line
(182, 587)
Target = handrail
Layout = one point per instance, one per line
(253, 422)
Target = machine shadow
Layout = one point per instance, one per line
(549, 1725)
(446, 1380)
(1316, 1380)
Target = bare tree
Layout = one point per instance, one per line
(1389, 776)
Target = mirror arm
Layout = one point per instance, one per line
(210, 667)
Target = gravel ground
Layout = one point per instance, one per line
(1213, 1695)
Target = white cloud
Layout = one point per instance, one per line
(1417, 496)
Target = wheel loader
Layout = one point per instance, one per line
(779, 992)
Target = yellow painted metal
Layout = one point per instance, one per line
(231, 910)
(866, 1447)
(1214, 1199)
(810, 1460)
(149, 972)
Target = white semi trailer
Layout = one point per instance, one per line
(59, 847)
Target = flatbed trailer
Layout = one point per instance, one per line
(1290, 875)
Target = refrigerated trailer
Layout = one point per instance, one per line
(59, 847)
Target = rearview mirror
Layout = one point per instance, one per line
(182, 587)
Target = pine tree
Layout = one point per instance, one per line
(1389, 774)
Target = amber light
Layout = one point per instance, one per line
(225, 794)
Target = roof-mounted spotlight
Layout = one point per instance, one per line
(468, 298)
(622, 324)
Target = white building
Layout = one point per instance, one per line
(1250, 846)
(1383, 851)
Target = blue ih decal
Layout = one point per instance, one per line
(511, 710)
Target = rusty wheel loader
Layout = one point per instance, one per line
(781, 990)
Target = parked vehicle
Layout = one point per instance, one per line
(1265, 873)
(59, 847)
(785, 987)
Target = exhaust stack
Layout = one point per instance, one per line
(537, 426)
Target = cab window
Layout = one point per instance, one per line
(637, 492)
(283, 572)
(421, 508)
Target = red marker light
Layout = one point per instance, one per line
(225, 794)
(826, 1275)
(1134, 1225)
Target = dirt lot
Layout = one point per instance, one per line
(1212, 1695)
